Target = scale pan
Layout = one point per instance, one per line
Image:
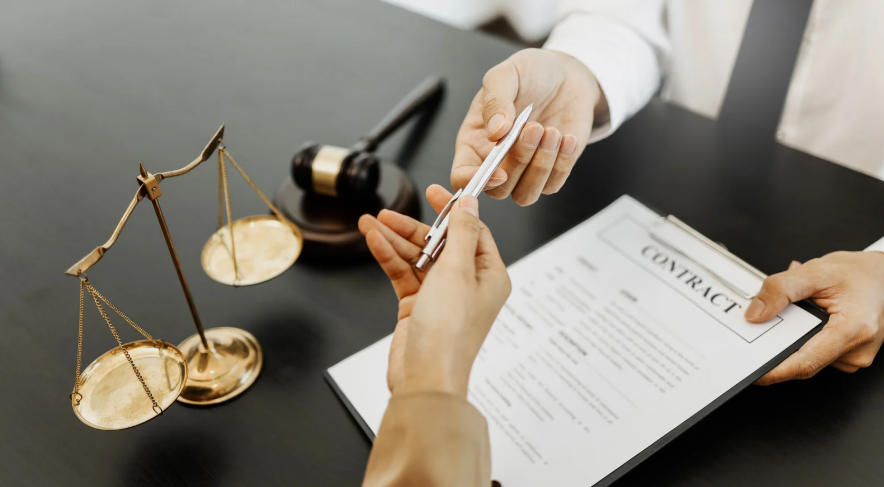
(112, 396)
(265, 247)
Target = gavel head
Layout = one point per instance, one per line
(336, 172)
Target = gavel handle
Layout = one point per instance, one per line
(409, 105)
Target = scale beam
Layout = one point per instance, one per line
(93, 257)
(204, 155)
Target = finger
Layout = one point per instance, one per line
(366, 223)
(533, 181)
(794, 265)
(863, 353)
(406, 250)
(396, 367)
(786, 287)
(501, 85)
(471, 147)
(405, 233)
(461, 176)
(467, 154)
(490, 269)
(843, 367)
(405, 226)
(820, 351)
(463, 236)
(568, 155)
(438, 197)
(487, 254)
(518, 158)
(401, 275)
(486, 248)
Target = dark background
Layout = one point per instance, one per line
(90, 88)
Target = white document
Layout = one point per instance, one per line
(609, 342)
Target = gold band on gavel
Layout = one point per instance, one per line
(326, 167)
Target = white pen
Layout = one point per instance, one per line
(436, 236)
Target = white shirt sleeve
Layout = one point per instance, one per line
(625, 45)
(877, 246)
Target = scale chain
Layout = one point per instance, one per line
(97, 297)
(223, 168)
(220, 192)
(79, 347)
(252, 184)
(117, 311)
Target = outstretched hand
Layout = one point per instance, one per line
(445, 313)
(567, 101)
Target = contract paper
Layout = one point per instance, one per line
(609, 342)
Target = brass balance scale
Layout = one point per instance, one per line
(136, 381)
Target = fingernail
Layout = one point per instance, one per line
(495, 181)
(494, 124)
(756, 307)
(531, 135)
(470, 205)
(569, 143)
(551, 140)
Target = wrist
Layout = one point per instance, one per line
(601, 113)
(432, 376)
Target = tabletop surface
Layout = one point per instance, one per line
(89, 89)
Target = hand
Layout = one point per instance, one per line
(444, 313)
(566, 98)
(850, 287)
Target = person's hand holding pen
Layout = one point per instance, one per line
(567, 101)
(446, 312)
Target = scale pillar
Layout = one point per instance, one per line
(152, 187)
(221, 362)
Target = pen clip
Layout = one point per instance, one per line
(443, 214)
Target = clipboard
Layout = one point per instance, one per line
(742, 278)
(350, 383)
(684, 240)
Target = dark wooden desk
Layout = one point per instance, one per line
(90, 88)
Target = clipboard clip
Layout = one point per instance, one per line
(714, 258)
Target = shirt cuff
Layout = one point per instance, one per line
(877, 246)
(624, 64)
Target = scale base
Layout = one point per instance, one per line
(230, 365)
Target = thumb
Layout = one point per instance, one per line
(463, 235)
(500, 86)
(821, 350)
(797, 283)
